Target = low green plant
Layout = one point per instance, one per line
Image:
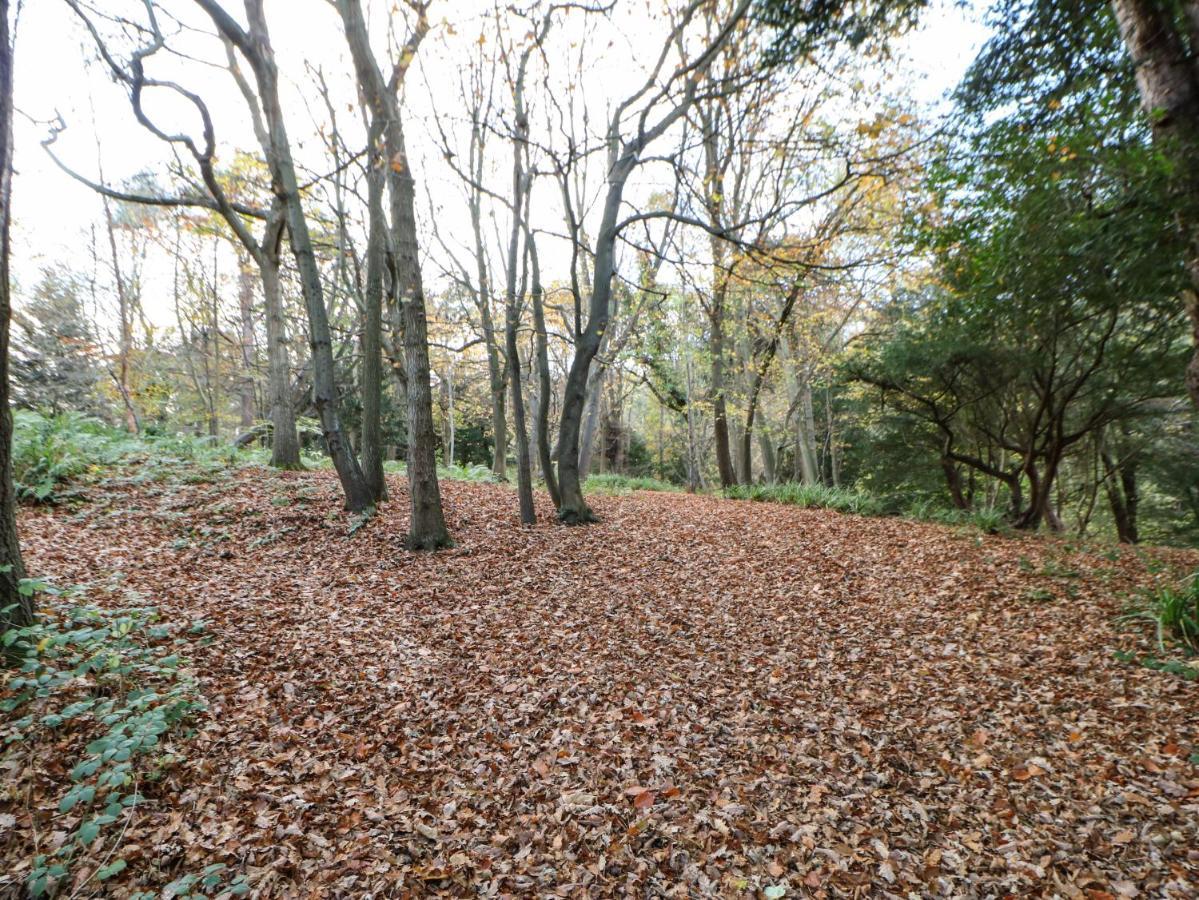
(1177, 667)
(109, 684)
(609, 483)
(809, 496)
(476, 473)
(1173, 611)
(49, 452)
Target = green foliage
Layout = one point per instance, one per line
(809, 495)
(1170, 666)
(1173, 611)
(991, 521)
(609, 483)
(801, 27)
(111, 683)
(51, 451)
(476, 473)
(56, 358)
(1054, 326)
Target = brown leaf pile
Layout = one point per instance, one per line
(696, 697)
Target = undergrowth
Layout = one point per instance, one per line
(50, 452)
(809, 496)
(101, 691)
(1173, 612)
(609, 483)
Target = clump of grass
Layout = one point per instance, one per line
(609, 483)
(1173, 611)
(809, 496)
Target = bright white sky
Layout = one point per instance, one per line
(56, 72)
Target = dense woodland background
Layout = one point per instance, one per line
(766, 264)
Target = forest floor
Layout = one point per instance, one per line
(695, 697)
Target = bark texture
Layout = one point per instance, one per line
(15, 609)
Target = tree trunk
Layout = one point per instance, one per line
(495, 365)
(450, 392)
(573, 509)
(622, 159)
(285, 441)
(524, 475)
(953, 479)
(426, 529)
(544, 388)
(372, 329)
(286, 188)
(694, 479)
(1040, 492)
(245, 296)
(745, 456)
(834, 451)
(766, 445)
(805, 432)
(591, 418)
(1167, 75)
(720, 419)
(1120, 483)
(125, 344)
(16, 609)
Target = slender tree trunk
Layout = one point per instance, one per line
(449, 417)
(694, 480)
(245, 297)
(591, 419)
(214, 379)
(805, 432)
(544, 388)
(372, 331)
(495, 365)
(1040, 492)
(426, 529)
(834, 452)
(953, 480)
(285, 441)
(125, 341)
(1120, 484)
(622, 159)
(745, 457)
(573, 509)
(16, 609)
(286, 187)
(768, 455)
(1167, 75)
(720, 419)
(524, 475)
(499, 425)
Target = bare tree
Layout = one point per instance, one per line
(663, 102)
(253, 42)
(427, 530)
(478, 98)
(264, 250)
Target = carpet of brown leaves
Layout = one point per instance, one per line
(696, 697)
